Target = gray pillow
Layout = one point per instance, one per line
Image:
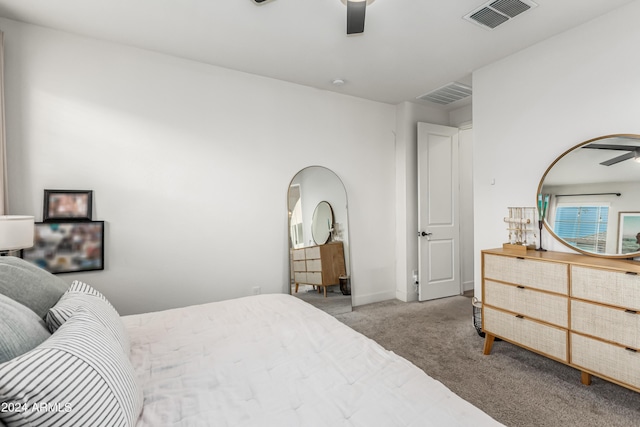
(30, 285)
(22, 329)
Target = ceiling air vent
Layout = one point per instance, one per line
(497, 12)
(447, 94)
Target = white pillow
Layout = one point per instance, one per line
(78, 377)
(80, 294)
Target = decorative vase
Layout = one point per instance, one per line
(543, 204)
(540, 223)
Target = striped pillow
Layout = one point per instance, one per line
(78, 377)
(78, 286)
(82, 295)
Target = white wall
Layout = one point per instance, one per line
(532, 106)
(190, 166)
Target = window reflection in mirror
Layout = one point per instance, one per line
(296, 229)
(583, 225)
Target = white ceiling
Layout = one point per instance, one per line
(409, 47)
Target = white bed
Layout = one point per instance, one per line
(68, 358)
(274, 360)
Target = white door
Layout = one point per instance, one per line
(438, 212)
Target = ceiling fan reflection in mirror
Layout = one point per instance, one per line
(356, 10)
(632, 152)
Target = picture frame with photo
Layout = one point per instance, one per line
(68, 205)
(628, 232)
(67, 246)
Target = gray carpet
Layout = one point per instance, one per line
(513, 385)
(335, 302)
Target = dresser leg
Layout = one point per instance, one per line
(297, 287)
(488, 343)
(585, 378)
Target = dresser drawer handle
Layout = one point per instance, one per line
(519, 257)
(633, 350)
(631, 311)
(632, 273)
(519, 316)
(520, 287)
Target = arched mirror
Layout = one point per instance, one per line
(319, 239)
(594, 197)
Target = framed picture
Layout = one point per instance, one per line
(68, 205)
(67, 246)
(628, 232)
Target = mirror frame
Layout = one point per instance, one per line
(630, 255)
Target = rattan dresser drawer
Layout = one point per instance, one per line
(298, 254)
(543, 306)
(314, 278)
(313, 252)
(314, 265)
(605, 286)
(546, 339)
(609, 360)
(544, 275)
(299, 266)
(612, 324)
(300, 277)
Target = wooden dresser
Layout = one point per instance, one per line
(579, 310)
(320, 265)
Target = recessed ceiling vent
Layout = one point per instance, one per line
(497, 12)
(447, 94)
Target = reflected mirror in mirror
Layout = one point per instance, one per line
(322, 223)
(319, 240)
(594, 204)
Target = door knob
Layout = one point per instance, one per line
(423, 234)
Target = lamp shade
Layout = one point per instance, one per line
(16, 232)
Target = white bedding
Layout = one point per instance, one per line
(274, 360)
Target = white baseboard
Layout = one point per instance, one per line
(405, 296)
(371, 298)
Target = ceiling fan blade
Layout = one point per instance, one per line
(355, 16)
(619, 159)
(611, 147)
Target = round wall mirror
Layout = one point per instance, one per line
(594, 197)
(322, 223)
